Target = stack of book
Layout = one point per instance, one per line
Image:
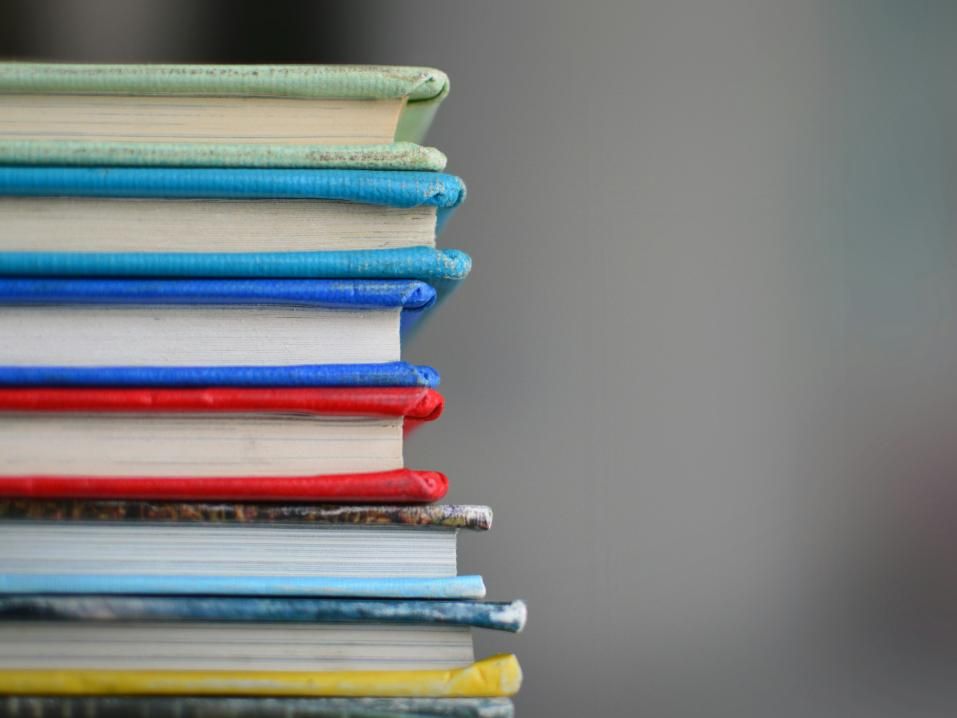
(205, 276)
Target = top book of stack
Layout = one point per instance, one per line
(295, 116)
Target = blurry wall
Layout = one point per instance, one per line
(704, 368)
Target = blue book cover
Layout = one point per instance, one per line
(500, 616)
(392, 188)
(456, 587)
(441, 268)
(317, 375)
(412, 297)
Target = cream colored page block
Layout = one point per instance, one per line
(74, 224)
(239, 120)
(195, 445)
(195, 336)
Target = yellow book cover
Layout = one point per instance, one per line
(496, 676)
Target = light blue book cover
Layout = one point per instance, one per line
(395, 189)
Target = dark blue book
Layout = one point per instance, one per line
(184, 324)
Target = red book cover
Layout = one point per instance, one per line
(389, 487)
(415, 404)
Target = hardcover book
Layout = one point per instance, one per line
(189, 222)
(162, 548)
(206, 322)
(208, 633)
(219, 115)
(183, 210)
(332, 444)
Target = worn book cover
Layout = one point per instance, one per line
(444, 516)
(509, 616)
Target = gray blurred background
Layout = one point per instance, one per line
(704, 370)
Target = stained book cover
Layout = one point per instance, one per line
(446, 516)
(499, 616)
(218, 707)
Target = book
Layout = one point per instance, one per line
(229, 211)
(497, 676)
(160, 548)
(206, 322)
(219, 437)
(202, 633)
(219, 115)
(219, 707)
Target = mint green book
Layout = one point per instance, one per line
(297, 116)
